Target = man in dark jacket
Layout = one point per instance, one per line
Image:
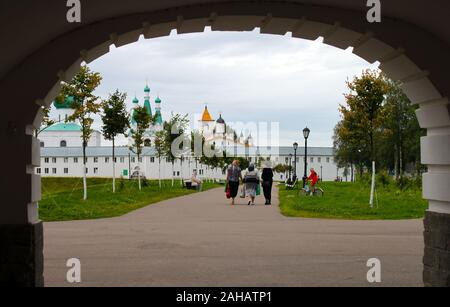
(267, 182)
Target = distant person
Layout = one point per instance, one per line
(196, 181)
(234, 175)
(251, 181)
(267, 183)
(313, 178)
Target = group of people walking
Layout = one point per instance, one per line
(251, 183)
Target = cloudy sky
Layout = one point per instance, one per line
(248, 77)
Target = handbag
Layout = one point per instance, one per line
(243, 191)
(228, 191)
(258, 190)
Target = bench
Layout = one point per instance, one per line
(189, 185)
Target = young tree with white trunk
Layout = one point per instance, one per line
(116, 121)
(85, 105)
(143, 121)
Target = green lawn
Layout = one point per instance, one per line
(62, 198)
(351, 201)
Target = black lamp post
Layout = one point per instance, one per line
(306, 133)
(295, 161)
(290, 167)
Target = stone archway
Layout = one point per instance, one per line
(32, 79)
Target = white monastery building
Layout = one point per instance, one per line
(62, 155)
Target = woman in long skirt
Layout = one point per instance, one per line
(251, 180)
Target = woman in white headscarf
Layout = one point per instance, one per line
(251, 180)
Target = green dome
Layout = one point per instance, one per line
(135, 100)
(148, 108)
(147, 89)
(66, 104)
(158, 100)
(64, 127)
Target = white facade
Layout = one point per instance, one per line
(67, 162)
(215, 132)
(64, 138)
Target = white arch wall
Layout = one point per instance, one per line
(433, 114)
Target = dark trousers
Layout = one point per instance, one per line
(267, 188)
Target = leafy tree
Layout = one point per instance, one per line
(47, 122)
(363, 109)
(174, 130)
(143, 120)
(85, 105)
(395, 138)
(401, 131)
(116, 121)
(160, 151)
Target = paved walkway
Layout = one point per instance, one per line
(199, 240)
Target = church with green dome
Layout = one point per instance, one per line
(64, 133)
(157, 125)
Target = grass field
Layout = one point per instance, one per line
(62, 198)
(351, 201)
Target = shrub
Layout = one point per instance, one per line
(145, 182)
(404, 183)
(384, 179)
(121, 184)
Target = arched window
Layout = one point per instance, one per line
(63, 144)
(42, 144)
(147, 143)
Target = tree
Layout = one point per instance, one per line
(47, 122)
(363, 111)
(401, 131)
(116, 121)
(396, 137)
(174, 130)
(143, 120)
(85, 105)
(364, 104)
(160, 151)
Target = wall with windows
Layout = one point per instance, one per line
(67, 138)
(127, 165)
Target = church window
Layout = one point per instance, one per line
(63, 144)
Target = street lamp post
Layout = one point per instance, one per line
(290, 167)
(306, 133)
(295, 161)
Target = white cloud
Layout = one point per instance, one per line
(246, 76)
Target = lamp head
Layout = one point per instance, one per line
(306, 133)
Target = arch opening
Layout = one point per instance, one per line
(433, 114)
